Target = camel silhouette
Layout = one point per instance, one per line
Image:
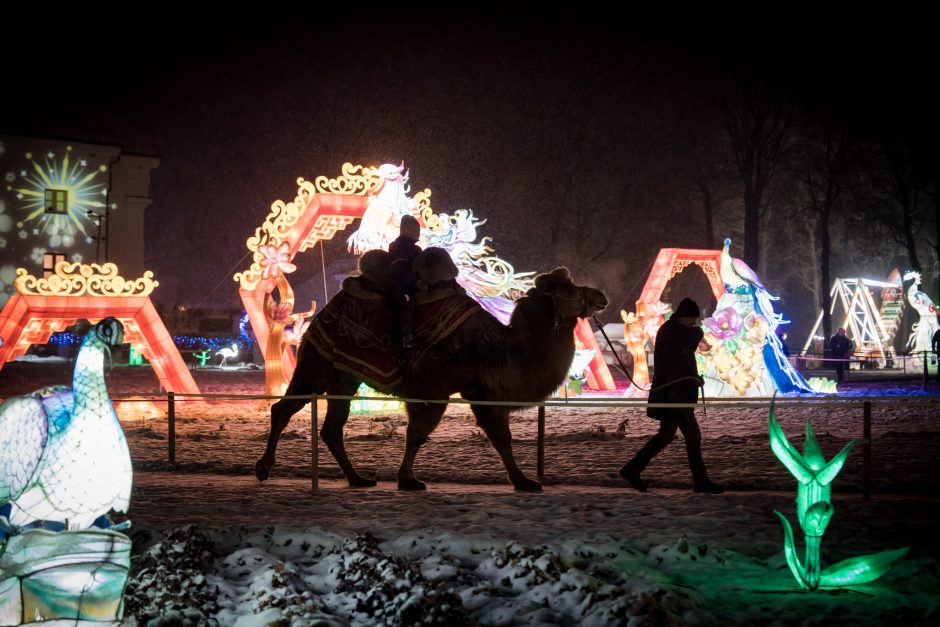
(481, 359)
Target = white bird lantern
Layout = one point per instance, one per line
(65, 458)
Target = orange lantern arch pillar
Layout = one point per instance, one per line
(76, 291)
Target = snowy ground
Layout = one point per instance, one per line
(469, 550)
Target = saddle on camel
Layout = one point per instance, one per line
(461, 348)
(358, 330)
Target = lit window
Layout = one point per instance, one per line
(49, 260)
(57, 200)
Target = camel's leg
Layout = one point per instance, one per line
(301, 384)
(495, 423)
(422, 421)
(337, 413)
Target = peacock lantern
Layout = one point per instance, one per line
(923, 330)
(65, 458)
(745, 356)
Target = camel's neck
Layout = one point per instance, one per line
(545, 347)
(88, 380)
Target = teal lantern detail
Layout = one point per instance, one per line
(814, 510)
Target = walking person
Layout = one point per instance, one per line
(675, 380)
(840, 347)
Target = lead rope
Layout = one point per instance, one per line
(623, 369)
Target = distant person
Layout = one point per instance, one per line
(783, 342)
(840, 347)
(935, 347)
(402, 281)
(675, 380)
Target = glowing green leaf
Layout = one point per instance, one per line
(785, 452)
(789, 550)
(827, 474)
(811, 452)
(859, 570)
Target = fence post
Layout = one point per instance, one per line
(314, 444)
(926, 374)
(171, 427)
(540, 441)
(866, 459)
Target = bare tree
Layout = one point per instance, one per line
(895, 196)
(708, 169)
(931, 192)
(825, 164)
(760, 121)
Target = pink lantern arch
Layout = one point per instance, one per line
(641, 325)
(321, 208)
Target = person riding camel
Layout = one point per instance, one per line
(402, 281)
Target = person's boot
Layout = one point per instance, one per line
(705, 485)
(631, 474)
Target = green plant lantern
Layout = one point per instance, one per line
(203, 357)
(814, 510)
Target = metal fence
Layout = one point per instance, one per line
(862, 404)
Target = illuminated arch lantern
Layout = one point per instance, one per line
(76, 291)
(378, 195)
(641, 325)
(745, 356)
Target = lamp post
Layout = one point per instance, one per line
(98, 219)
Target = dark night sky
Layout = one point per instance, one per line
(521, 115)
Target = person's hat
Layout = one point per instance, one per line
(688, 308)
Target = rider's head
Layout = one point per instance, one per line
(410, 228)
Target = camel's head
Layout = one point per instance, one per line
(571, 301)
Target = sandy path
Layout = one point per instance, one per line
(225, 502)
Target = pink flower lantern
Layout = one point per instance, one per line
(275, 261)
(724, 324)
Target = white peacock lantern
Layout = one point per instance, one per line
(745, 356)
(65, 466)
(923, 330)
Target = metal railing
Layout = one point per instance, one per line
(922, 361)
(863, 403)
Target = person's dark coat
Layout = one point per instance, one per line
(401, 252)
(840, 346)
(674, 358)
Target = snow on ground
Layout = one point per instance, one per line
(587, 550)
(570, 555)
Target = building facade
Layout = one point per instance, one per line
(71, 201)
